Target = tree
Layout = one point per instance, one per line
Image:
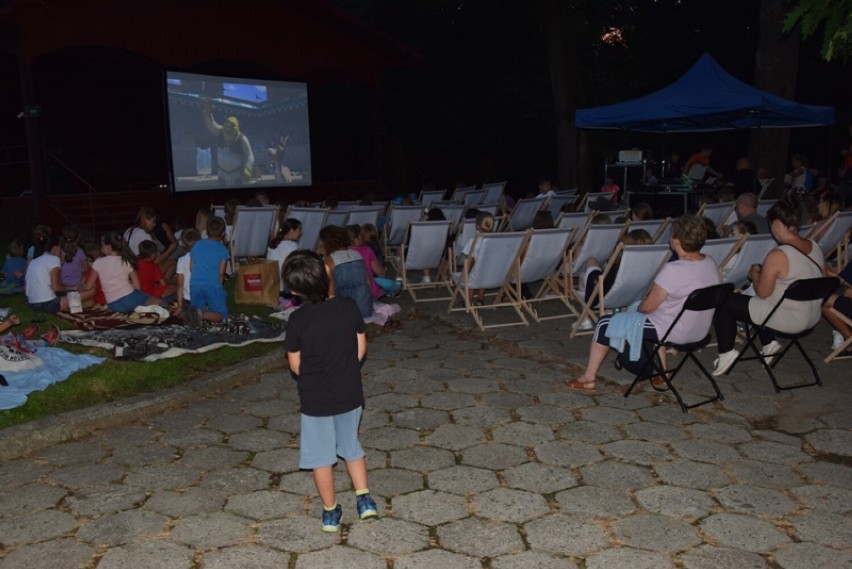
(837, 17)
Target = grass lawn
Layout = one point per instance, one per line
(115, 379)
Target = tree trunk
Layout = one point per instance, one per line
(776, 69)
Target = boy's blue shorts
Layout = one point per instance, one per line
(323, 439)
(209, 298)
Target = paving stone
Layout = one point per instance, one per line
(525, 434)
(462, 479)
(667, 414)
(613, 474)
(20, 472)
(285, 422)
(236, 480)
(389, 536)
(258, 440)
(430, 507)
(755, 500)
(179, 504)
(480, 538)
(188, 438)
(825, 528)
(529, 559)
(506, 400)
(422, 458)
(565, 453)
(448, 401)
(675, 502)
(831, 441)
(628, 557)
(539, 478)
(588, 432)
(563, 534)
(149, 555)
(302, 483)
(510, 505)
(827, 473)
(743, 532)
(421, 418)
(609, 416)
(162, 477)
(389, 438)
(83, 475)
(474, 385)
(392, 402)
(142, 455)
(777, 437)
(719, 432)
(35, 526)
(481, 416)
(417, 386)
(545, 414)
(122, 527)
(266, 505)
(393, 481)
(128, 435)
(278, 460)
(839, 420)
(44, 554)
(494, 456)
(254, 556)
(211, 530)
(639, 452)
(230, 424)
(709, 557)
(29, 498)
(799, 555)
(298, 534)
(705, 451)
(594, 501)
(75, 452)
(654, 432)
(656, 532)
(691, 474)
(339, 557)
(765, 474)
(105, 500)
(455, 437)
(209, 458)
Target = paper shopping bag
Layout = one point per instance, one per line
(258, 283)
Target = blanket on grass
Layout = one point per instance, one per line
(152, 343)
(99, 318)
(58, 366)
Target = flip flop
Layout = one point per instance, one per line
(581, 386)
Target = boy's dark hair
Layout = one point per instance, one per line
(147, 249)
(215, 227)
(304, 275)
(354, 231)
(91, 247)
(334, 238)
(189, 237)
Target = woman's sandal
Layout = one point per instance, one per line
(581, 386)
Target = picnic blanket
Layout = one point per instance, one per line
(58, 366)
(99, 318)
(152, 343)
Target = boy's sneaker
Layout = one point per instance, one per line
(52, 335)
(366, 507)
(331, 519)
(836, 339)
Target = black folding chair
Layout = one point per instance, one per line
(709, 298)
(802, 290)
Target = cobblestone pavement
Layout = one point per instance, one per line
(478, 458)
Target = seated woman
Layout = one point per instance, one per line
(795, 258)
(672, 285)
(346, 269)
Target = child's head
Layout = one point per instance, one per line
(568, 207)
(601, 219)
(637, 237)
(354, 233)
(70, 242)
(215, 228)
(147, 250)
(710, 228)
(47, 244)
(231, 210)
(16, 248)
(189, 237)
(484, 222)
(201, 218)
(292, 229)
(304, 275)
(334, 238)
(726, 194)
(369, 234)
(641, 211)
(435, 214)
(114, 244)
(542, 220)
(741, 227)
(92, 248)
(146, 218)
(829, 204)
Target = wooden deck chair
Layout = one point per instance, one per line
(396, 229)
(753, 250)
(718, 213)
(473, 198)
(338, 217)
(524, 213)
(466, 231)
(580, 201)
(364, 214)
(656, 228)
(545, 255)
(493, 193)
(425, 247)
(498, 260)
(251, 231)
(636, 267)
(722, 250)
(579, 219)
(555, 203)
(218, 211)
(599, 243)
(835, 355)
(592, 197)
(454, 213)
(313, 220)
(765, 184)
(806, 230)
(835, 240)
(459, 193)
(493, 209)
(427, 197)
(764, 206)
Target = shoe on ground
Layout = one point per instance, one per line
(426, 279)
(836, 340)
(584, 325)
(30, 331)
(366, 507)
(331, 519)
(52, 335)
(724, 362)
(769, 350)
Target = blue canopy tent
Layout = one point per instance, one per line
(705, 98)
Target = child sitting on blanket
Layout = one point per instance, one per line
(117, 273)
(183, 307)
(74, 262)
(15, 265)
(92, 248)
(151, 279)
(42, 280)
(207, 265)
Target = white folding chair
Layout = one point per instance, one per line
(599, 243)
(636, 267)
(753, 250)
(313, 220)
(524, 213)
(473, 198)
(718, 213)
(493, 209)
(765, 184)
(545, 254)
(722, 250)
(497, 261)
(251, 231)
(835, 239)
(656, 228)
(555, 203)
(764, 206)
(493, 193)
(425, 247)
(218, 211)
(836, 353)
(427, 197)
(454, 213)
(396, 229)
(364, 214)
(338, 217)
(579, 219)
(593, 197)
(459, 193)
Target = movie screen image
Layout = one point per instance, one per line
(227, 132)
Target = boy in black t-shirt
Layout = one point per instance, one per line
(326, 341)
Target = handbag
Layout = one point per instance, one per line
(258, 282)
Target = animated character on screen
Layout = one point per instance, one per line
(234, 156)
(276, 153)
